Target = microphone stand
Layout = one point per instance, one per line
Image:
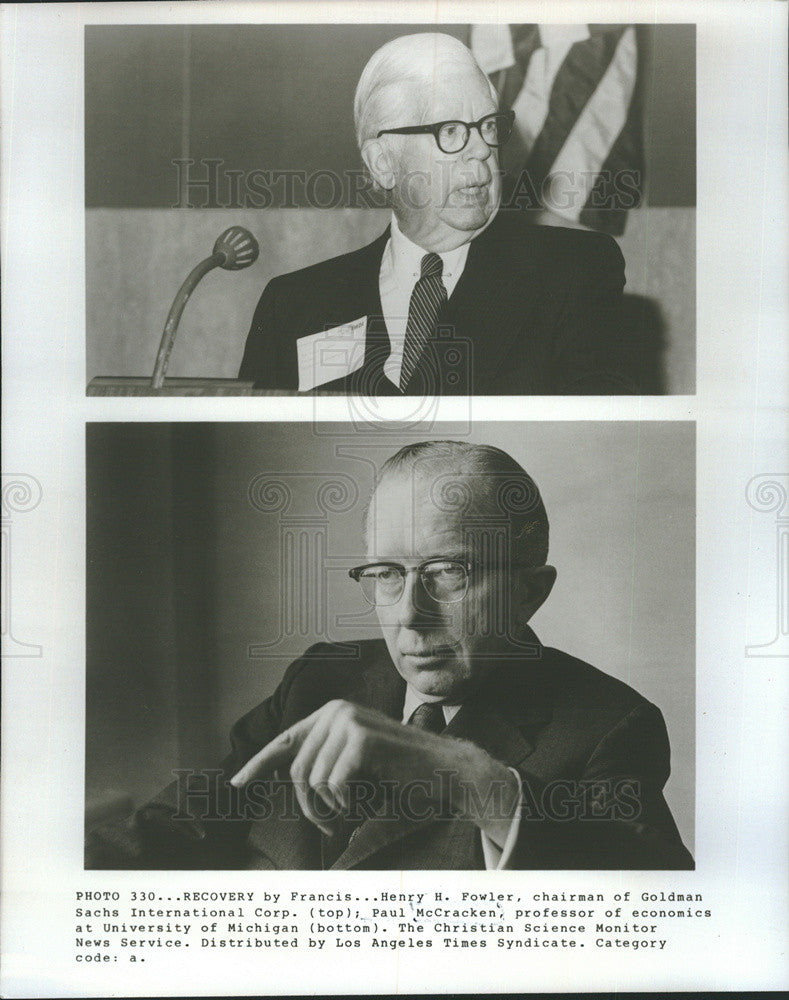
(235, 249)
(174, 315)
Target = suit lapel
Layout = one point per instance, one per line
(488, 730)
(502, 721)
(489, 308)
(501, 724)
(284, 839)
(358, 288)
(379, 686)
(491, 304)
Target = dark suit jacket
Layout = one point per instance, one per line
(535, 312)
(593, 756)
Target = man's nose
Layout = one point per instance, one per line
(416, 608)
(476, 147)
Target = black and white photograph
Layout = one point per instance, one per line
(355, 611)
(421, 210)
(395, 498)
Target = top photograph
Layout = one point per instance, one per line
(390, 210)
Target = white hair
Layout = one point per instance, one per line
(386, 90)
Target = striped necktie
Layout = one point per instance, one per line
(427, 298)
(429, 715)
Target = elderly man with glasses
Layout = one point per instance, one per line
(456, 741)
(460, 295)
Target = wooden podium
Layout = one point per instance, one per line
(108, 385)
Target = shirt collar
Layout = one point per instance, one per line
(407, 257)
(413, 699)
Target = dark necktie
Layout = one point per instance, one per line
(427, 298)
(429, 715)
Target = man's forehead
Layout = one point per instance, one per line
(402, 490)
(420, 531)
(451, 79)
(425, 499)
(423, 479)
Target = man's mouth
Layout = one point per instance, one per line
(427, 655)
(474, 195)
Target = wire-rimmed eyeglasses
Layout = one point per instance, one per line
(383, 583)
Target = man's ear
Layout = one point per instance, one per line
(533, 587)
(377, 156)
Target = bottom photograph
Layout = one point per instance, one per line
(442, 646)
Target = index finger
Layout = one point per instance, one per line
(281, 750)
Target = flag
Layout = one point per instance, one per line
(576, 147)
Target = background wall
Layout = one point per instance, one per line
(281, 97)
(262, 98)
(193, 614)
(138, 258)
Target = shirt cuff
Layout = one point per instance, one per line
(499, 858)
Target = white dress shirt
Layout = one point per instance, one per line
(496, 858)
(401, 268)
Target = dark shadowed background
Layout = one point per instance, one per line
(218, 552)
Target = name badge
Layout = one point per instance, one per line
(331, 354)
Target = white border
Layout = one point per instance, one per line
(740, 408)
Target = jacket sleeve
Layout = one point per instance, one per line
(613, 816)
(591, 354)
(199, 821)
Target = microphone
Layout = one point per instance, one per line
(235, 249)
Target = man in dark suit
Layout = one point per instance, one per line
(459, 741)
(458, 296)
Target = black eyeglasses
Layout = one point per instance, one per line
(444, 580)
(452, 136)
